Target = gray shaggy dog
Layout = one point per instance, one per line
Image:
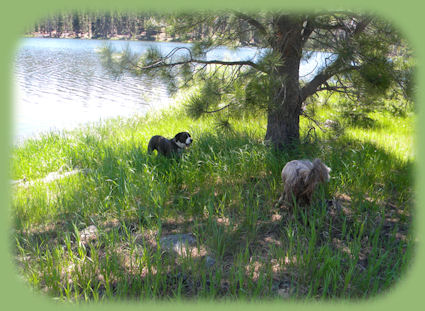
(300, 178)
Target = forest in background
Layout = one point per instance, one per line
(150, 26)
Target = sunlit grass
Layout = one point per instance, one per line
(393, 134)
(223, 190)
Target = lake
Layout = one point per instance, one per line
(61, 84)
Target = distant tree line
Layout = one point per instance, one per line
(99, 25)
(124, 25)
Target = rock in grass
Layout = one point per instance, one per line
(209, 261)
(89, 234)
(177, 242)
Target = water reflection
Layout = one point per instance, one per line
(60, 83)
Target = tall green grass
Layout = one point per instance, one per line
(223, 190)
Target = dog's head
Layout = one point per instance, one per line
(321, 170)
(183, 139)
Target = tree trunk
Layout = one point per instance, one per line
(283, 124)
(285, 107)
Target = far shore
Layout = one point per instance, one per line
(87, 36)
(158, 37)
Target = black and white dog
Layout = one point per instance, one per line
(167, 147)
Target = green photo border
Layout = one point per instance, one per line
(16, 16)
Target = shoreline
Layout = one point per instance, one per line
(116, 37)
(161, 37)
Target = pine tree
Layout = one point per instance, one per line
(361, 46)
(76, 24)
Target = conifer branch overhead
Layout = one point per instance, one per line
(168, 61)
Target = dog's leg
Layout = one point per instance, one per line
(280, 201)
(150, 147)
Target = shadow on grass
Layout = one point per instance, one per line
(354, 241)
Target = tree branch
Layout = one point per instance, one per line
(308, 29)
(217, 110)
(162, 62)
(313, 120)
(260, 27)
(335, 68)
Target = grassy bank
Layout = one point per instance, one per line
(223, 191)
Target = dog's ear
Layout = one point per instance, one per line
(178, 136)
(182, 136)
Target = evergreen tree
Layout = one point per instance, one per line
(361, 66)
(59, 25)
(76, 24)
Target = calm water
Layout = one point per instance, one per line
(60, 84)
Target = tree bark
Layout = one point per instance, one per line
(285, 108)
